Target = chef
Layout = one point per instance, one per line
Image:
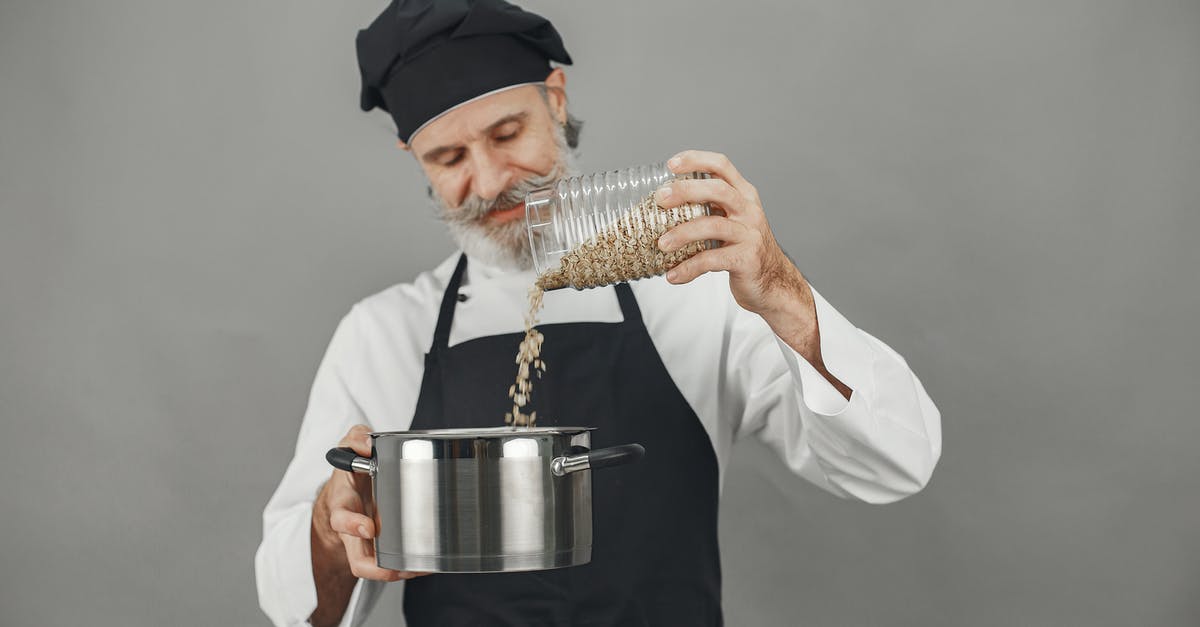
(733, 342)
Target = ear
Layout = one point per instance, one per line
(403, 146)
(556, 90)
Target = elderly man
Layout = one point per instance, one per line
(732, 342)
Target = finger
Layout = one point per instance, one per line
(359, 439)
(713, 163)
(714, 191)
(343, 495)
(351, 526)
(714, 260)
(361, 556)
(703, 228)
(352, 523)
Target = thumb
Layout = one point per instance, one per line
(359, 439)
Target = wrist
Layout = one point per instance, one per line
(791, 313)
(798, 333)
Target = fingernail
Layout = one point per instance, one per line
(663, 192)
(362, 532)
(674, 162)
(672, 275)
(664, 244)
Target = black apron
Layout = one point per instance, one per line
(655, 559)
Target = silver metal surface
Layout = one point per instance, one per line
(487, 432)
(481, 500)
(566, 465)
(363, 465)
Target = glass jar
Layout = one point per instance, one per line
(600, 229)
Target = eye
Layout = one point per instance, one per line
(453, 160)
(507, 133)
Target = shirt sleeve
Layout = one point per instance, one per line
(283, 562)
(879, 446)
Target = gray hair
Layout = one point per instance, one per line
(573, 126)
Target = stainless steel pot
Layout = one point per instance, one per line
(483, 500)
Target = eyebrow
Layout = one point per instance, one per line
(433, 155)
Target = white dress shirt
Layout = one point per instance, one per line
(738, 376)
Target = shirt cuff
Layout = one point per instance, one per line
(847, 355)
(284, 562)
(293, 589)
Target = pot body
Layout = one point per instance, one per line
(481, 500)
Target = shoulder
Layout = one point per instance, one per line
(423, 293)
(707, 296)
(694, 316)
(399, 315)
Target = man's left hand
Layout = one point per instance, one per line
(763, 280)
(761, 277)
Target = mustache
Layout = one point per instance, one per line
(474, 208)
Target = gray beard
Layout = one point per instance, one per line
(504, 245)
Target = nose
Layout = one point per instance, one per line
(491, 177)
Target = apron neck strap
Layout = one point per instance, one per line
(441, 335)
(629, 307)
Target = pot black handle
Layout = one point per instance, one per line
(344, 458)
(599, 458)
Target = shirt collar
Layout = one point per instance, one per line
(479, 273)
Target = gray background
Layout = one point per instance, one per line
(1006, 192)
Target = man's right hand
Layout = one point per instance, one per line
(342, 534)
(340, 517)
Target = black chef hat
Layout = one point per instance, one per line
(421, 58)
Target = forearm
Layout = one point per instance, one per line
(879, 445)
(331, 570)
(793, 318)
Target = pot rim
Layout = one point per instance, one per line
(482, 432)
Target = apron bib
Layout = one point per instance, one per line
(655, 559)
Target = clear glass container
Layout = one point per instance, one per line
(600, 229)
